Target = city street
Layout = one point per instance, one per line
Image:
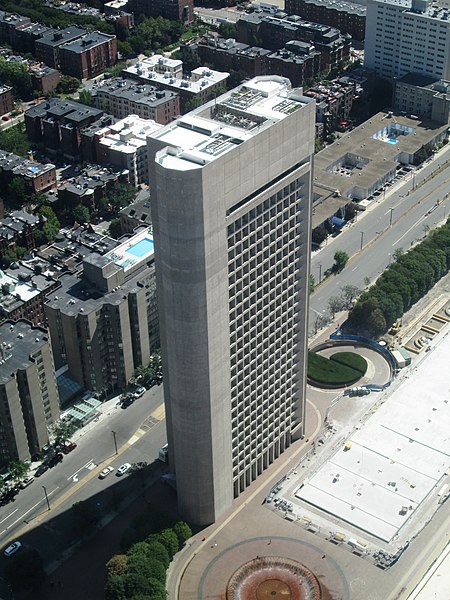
(76, 478)
(394, 222)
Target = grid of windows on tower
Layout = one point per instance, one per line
(265, 247)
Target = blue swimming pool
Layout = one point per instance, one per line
(141, 248)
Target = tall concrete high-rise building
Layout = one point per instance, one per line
(408, 36)
(231, 206)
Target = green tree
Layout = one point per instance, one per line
(15, 140)
(81, 214)
(312, 284)
(146, 566)
(157, 551)
(17, 76)
(169, 540)
(183, 531)
(85, 97)
(115, 228)
(68, 85)
(335, 304)
(18, 469)
(17, 189)
(122, 195)
(51, 225)
(340, 260)
(349, 294)
(117, 565)
(62, 432)
(115, 588)
(228, 30)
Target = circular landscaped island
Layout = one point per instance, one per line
(338, 370)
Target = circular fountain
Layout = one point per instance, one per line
(273, 578)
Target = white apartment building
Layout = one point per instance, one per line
(126, 146)
(167, 74)
(408, 36)
(231, 211)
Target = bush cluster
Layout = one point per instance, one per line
(141, 571)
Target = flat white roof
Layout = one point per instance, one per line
(396, 458)
(20, 289)
(200, 137)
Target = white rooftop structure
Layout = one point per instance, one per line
(126, 145)
(210, 131)
(129, 134)
(395, 463)
(134, 250)
(169, 73)
(10, 286)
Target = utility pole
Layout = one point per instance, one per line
(46, 497)
(115, 441)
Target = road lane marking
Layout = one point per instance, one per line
(21, 518)
(86, 466)
(10, 515)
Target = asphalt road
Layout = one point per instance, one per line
(76, 478)
(394, 222)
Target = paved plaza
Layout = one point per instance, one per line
(397, 458)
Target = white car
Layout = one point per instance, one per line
(12, 548)
(123, 469)
(140, 391)
(106, 471)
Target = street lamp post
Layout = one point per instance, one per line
(46, 497)
(362, 240)
(390, 217)
(115, 441)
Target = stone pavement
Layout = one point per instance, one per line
(205, 565)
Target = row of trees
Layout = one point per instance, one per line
(141, 571)
(151, 374)
(402, 284)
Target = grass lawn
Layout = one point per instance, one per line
(340, 369)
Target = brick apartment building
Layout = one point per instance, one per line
(348, 17)
(56, 125)
(44, 79)
(297, 61)
(37, 177)
(175, 10)
(89, 55)
(47, 47)
(275, 32)
(6, 99)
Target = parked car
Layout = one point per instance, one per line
(128, 401)
(5, 118)
(12, 548)
(26, 482)
(54, 460)
(123, 469)
(41, 470)
(68, 447)
(139, 391)
(105, 472)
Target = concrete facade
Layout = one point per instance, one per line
(104, 323)
(28, 392)
(407, 36)
(231, 216)
(423, 96)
